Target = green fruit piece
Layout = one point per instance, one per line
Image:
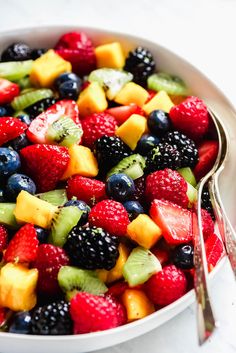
(62, 223)
(7, 215)
(15, 70)
(24, 83)
(72, 280)
(20, 112)
(192, 194)
(140, 266)
(188, 175)
(30, 97)
(169, 83)
(112, 80)
(55, 197)
(64, 131)
(133, 166)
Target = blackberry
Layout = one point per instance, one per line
(206, 202)
(36, 53)
(39, 107)
(161, 157)
(141, 64)
(52, 319)
(186, 146)
(92, 248)
(16, 52)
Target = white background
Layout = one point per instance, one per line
(204, 32)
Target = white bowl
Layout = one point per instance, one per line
(214, 98)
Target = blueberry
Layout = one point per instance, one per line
(69, 90)
(67, 76)
(24, 118)
(9, 161)
(16, 52)
(18, 182)
(6, 110)
(19, 142)
(134, 208)
(83, 207)
(42, 234)
(3, 111)
(2, 195)
(120, 187)
(36, 53)
(183, 256)
(159, 122)
(146, 144)
(21, 323)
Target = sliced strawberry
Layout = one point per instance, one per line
(122, 113)
(10, 128)
(37, 130)
(23, 246)
(214, 250)
(8, 91)
(207, 151)
(162, 255)
(117, 289)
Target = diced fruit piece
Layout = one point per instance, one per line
(47, 68)
(110, 55)
(137, 304)
(117, 289)
(170, 84)
(30, 97)
(64, 131)
(7, 214)
(102, 275)
(214, 250)
(122, 113)
(133, 166)
(208, 151)
(82, 162)
(17, 287)
(162, 253)
(55, 197)
(8, 91)
(132, 93)
(10, 128)
(116, 272)
(192, 194)
(207, 224)
(160, 101)
(92, 100)
(144, 231)
(188, 175)
(39, 212)
(140, 266)
(15, 70)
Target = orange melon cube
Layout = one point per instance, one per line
(132, 93)
(92, 100)
(137, 304)
(160, 101)
(110, 55)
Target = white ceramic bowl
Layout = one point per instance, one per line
(200, 86)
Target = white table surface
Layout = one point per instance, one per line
(203, 31)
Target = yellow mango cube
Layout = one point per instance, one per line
(92, 100)
(47, 68)
(102, 275)
(132, 93)
(160, 101)
(137, 304)
(110, 55)
(116, 272)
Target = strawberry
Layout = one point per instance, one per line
(91, 313)
(214, 250)
(88, 190)
(3, 313)
(8, 91)
(174, 221)
(23, 246)
(207, 224)
(122, 113)
(117, 289)
(10, 128)
(49, 260)
(111, 216)
(190, 117)
(36, 132)
(162, 255)
(45, 164)
(207, 151)
(77, 48)
(151, 94)
(166, 286)
(3, 238)
(167, 184)
(96, 125)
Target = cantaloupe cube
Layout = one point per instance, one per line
(132, 93)
(137, 304)
(82, 162)
(47, 68)
(30, 209)
(144, 231)
(110, 55)
(92, 100)
(160, 101)
(132, 130)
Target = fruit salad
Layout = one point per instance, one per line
(100, 156)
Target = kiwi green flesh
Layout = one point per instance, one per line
(15, 70)
(188, 175)
(192, 194)
(7, 215)
(133, 166)
(64, 131)
(55, 197)
(164, 82)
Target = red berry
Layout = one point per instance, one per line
(49, 260)
(117, 289)
(207, 151)
(3, 238)
(167, 184)
(95, 126)
(111, 216)
(214, 250)
(151, 94)
(163, 255)
(23, 246)
(92, 313)
(122, 113)
(207, 224)
(8, 91)
(10, 128)
(166, 286)
(88, 190)
(3, 313)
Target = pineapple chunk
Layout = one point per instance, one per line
(160, 101)
(137, 304)
(144, 231)
(132, 93)
(82, 162)
(18, 287)
(110, 55)
(132, 130)
(47, 68)
(30, 209)
(92, 100)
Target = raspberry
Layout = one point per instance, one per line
(207, 224)
(111, 216)
(161, 157)
(169, 185)
(166, 286)
(3, 238)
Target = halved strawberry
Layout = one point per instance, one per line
(37, 130)
(122, 113)
(214, 250)
(207, 151)
(10, 128)
(8, 91)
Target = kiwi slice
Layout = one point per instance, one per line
(64, 131)
(15, 70)
(63, 221)
(72, 280)
(192, 194)
(132, 165)
(140, 266)
(55, 197)
(24, 83)
(30, 97)
(188, 175)
(169, 83)
(7, 214)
